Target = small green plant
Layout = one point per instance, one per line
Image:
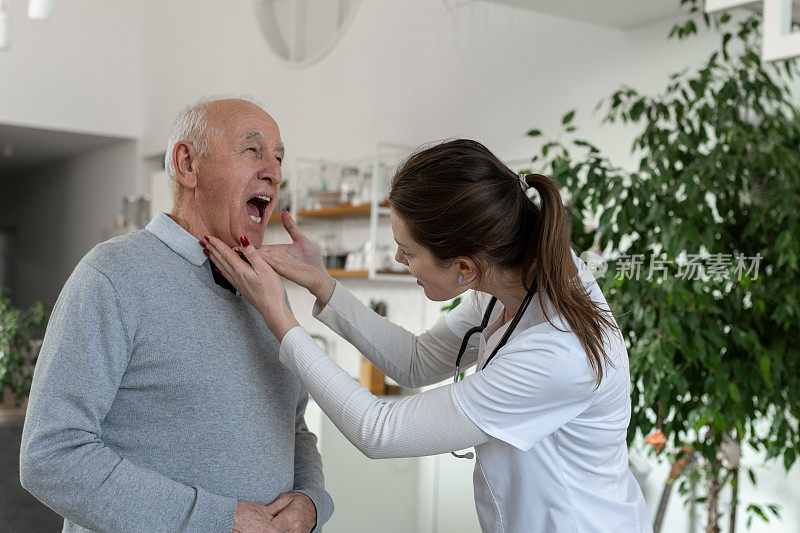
(17, 330)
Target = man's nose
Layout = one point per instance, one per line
(272, 173)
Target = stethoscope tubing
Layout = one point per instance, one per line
(477, 329)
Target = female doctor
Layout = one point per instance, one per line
(548, 406)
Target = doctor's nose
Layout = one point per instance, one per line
(398, 256)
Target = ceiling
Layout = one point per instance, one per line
(22, 147)
(621, 14)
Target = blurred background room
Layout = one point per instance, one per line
(691, 104)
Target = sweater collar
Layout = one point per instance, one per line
(181, 241)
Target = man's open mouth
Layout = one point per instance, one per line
(257, 208)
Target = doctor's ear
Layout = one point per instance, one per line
(467, 270)
(184, 157)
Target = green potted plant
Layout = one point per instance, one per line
(18, 351)
(702, 245)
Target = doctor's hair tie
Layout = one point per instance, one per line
(523, 182)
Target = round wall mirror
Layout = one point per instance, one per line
(301, 32)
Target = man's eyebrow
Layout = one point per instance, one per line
(280, 149)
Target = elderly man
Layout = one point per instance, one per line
(158, 401)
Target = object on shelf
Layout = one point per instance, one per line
(135, 215)
(335, 261)
(351, 185)
(333, 256)
(385, 259)
(143, 211)
(357, 259)
(284, 198)
(327, 199)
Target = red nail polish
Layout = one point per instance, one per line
(203, 244)
(206, 237)
(217, 270)
(245, 241)
(206, 252)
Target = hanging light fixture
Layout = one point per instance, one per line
(40, 9)
(5, 26)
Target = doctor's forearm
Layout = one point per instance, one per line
(411, 360)
(424, 424)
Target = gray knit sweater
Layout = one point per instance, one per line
(158, 399)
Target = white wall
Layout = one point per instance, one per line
(80, 71)
(409, 72)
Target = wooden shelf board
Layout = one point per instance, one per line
(342, 211)
(341, 273)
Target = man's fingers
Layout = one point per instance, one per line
(279, 504)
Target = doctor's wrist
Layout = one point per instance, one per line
(280, 321)
(324, 289)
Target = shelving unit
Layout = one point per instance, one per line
(377, 208)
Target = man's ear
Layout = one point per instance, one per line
(184, 157)
(467, 270)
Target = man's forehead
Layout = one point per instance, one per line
(243, 119)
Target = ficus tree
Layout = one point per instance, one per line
(701, 241)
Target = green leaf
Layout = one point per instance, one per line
(534, 133)
(789, 457)
(733, 390)
(765, 364)
(783, 240)
(566, 119)
(752, 475)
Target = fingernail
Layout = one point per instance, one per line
(217, 270)
(245, 241)
(206, 237)
(206, 252)
(203, 244)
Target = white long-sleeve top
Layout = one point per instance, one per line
(550, 446)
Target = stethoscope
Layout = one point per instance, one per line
(503, 340)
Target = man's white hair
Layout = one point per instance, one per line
(192, 126)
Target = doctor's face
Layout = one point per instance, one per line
(439, 283)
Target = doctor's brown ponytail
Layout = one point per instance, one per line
(459, 200)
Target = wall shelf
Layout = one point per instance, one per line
(342, 211)
(342, 273)
(376, 174)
